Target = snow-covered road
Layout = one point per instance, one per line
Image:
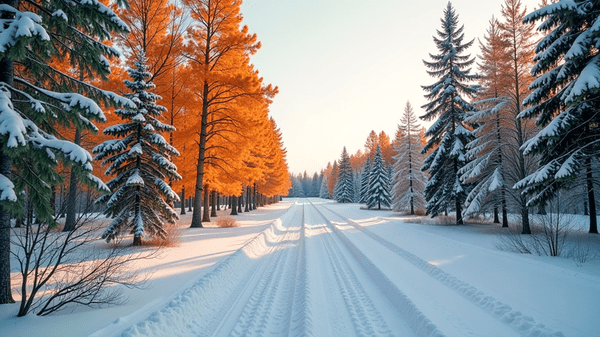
(316, 272)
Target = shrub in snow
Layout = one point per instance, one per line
(449, 134)
(140, 162)
(226, 222)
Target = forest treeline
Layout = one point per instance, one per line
(513, 129)
(163, 95)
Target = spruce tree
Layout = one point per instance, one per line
(364, 182)
(324, 193)
(36, 97)
(356, 180)
(379, 183)
(565, 101)
(408, 180)
(449, 134)
(139, 159)
(344, 188)
(485, 171)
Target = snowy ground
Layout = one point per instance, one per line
(313, 267)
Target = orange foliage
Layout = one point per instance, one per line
(387, 151)
(333, 177)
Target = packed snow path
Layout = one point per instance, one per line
(314, 272)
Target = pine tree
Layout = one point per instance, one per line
(356, 179)
(140, 162)
(364, 182)
(449, 132)
(520, 39)
(485, 171)
(36, 98)
(344, 188)
(324, 193)
(379, 183)
(408, 180)
(564, 101)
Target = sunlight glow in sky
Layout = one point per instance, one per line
(346, 67)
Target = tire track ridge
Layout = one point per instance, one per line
(271, 291)
(194, 308)
(350, 287)
(300, 323)
(506, 314)
(419, 323)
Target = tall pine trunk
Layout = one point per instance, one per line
(72, 195)
(6, 76)
(591, 196)
(503, 190)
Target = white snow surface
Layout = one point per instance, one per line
(307, 267)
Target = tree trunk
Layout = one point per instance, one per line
(72, 195)
(504, 212)
(591, 196)
(5, 293)
(205, 211)
(190, 202)
(254, 205)
(247, 208)
(183, 200)
(457, 201)
(496, 218)
(525, 220)
(240, 203)
(196, 220)
(53, 199)
(233, 203)
(213, 211)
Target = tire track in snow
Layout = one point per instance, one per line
(366, 319)
(419, 323)
(515, 319)
(300, 323)
(203, 307)
(269, 310)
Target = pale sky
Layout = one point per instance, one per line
(346, 67)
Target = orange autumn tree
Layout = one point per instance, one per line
(385, 145)
(218, 53)
(371, 144)
(156, 27)
(276, 180)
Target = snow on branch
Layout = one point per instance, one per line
(25, 24)
(11, 123)
(8, 189)
(562, 5)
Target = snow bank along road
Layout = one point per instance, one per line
(314, 272)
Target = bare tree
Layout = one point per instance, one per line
(69, 268)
